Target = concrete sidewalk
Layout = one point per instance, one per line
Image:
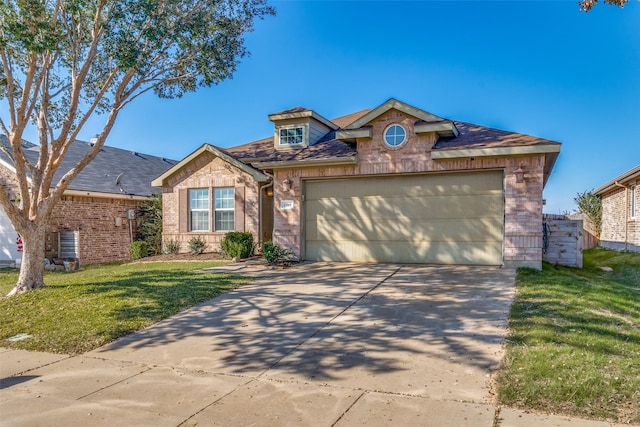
(316, 344)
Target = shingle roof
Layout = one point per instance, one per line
(621, 179)
(470, 136)
(476, 136)
(136, 170)
(327, 147)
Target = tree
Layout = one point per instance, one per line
(587, 5)
(591, 205)
(64, 61)
(149, 227)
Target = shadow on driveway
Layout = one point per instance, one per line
(423, 330)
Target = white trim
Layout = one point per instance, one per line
(305, 134)
(494, 151)
(404, 139)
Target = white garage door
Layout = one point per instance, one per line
(452, 218)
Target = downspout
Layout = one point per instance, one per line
(261, 192)
(626, 214)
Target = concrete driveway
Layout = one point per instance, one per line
(317, 344)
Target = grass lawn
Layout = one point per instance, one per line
(79, 311)
(574, 342)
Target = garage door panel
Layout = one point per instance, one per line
(405, 230)
(478, 253)
(452, 218)
(404, 207)
(412, 186)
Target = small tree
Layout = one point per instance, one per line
(591, 205)
(66, 61)
(149, 229)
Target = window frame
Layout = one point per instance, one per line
(287, 128)
(633, 201)
(217, 209)
(386, 132)
(191, 209)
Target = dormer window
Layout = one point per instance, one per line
(292, 135)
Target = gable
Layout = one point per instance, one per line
(421, 122)
(203, 156)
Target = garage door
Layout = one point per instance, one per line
(438, 218)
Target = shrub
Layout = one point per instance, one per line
(238, 244)
(273, 253)
(138, 250)
(197, 245)
(172, 247)
(149, 224)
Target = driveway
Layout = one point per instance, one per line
(317, 344)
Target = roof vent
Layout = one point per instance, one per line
(93, 141)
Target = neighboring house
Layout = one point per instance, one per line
(96, 206)
(392, 184)
(620, 212)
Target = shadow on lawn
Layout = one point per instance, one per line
(319, 319)
(578, 304)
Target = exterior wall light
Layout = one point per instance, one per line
(519, 173)
(286, 185)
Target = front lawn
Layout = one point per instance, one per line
(79, 311)
(574, 341)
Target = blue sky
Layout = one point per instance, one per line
(542, 68)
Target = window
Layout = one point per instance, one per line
(632, 202)
(199, 209)
(224, 207)
(395, 135)
(289, 136)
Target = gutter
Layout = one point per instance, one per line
(104, 195)
(307, 163)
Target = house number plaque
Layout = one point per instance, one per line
(286, 205)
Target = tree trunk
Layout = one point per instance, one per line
(32, 268)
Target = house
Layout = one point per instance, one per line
(620, 229)
(96, 217)
(390, 184)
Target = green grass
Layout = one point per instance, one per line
(574, 341)
(79, 311)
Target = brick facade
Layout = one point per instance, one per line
(101, 238)
(523, 240)
(620, 230)
(523, 201)
(208, 171)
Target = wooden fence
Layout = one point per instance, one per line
(563, 240)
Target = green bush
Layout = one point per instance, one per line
(238, 244)
(273, 253)
(138, 250)
(149, 224)
(172, 247)
(197, 245)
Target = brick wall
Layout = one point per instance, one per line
(523, 201)
(207, 171)
(101, 240)
(619, 230)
